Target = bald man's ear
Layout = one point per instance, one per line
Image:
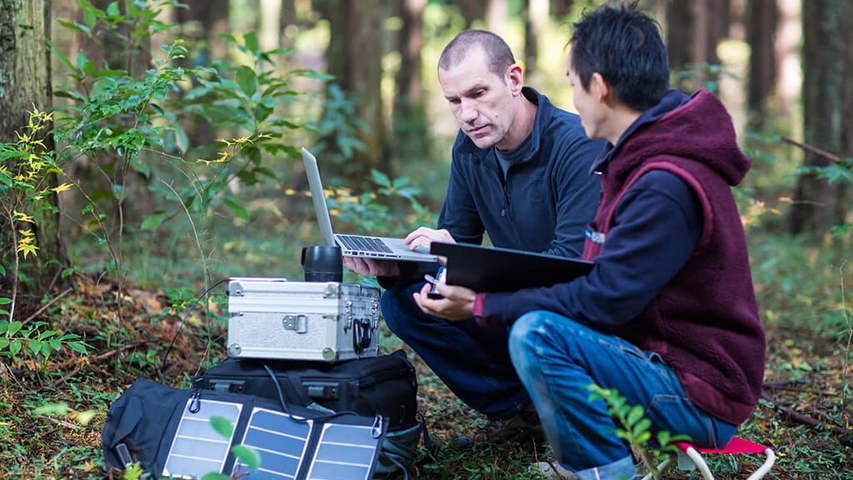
(515, 77)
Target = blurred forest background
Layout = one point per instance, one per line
(210, 100)
(150, 149)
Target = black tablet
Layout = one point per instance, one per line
(491, 269)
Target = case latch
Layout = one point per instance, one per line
(297, 323)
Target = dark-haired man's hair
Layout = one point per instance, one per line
(624, 45)
(498, 52)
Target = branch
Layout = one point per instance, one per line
(46, 306)
(803, 419)
(811, 149)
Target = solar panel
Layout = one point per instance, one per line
(197, 449)
(344, 452)
(280, 441)
(341, 448)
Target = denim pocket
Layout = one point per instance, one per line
(626, 347)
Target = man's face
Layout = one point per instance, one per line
(480, 100)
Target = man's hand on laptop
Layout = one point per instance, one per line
(372, 268)
(457, 304)
(421, 238)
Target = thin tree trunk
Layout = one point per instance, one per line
(763, 18)
(561, 8)
(354, 58)
(410, 127)
(819, 204)
(679, 39)
(789, 77)
(497, 16)
(25, 83)
(472, 11)
(535, 20)
(269, 33)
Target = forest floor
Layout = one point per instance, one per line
(52, 411)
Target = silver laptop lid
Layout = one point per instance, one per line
(324, 220)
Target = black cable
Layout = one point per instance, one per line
(181, 327)
(305, 419)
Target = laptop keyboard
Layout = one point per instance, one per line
(364, 244)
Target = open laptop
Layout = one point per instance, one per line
(380, 248)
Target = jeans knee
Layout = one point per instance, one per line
(520, 334)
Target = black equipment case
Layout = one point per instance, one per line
(385, 385)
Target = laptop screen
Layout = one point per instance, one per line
(324, 220)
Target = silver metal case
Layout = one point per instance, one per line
(280, 319)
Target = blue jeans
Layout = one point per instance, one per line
(473, 362)
(557, 359)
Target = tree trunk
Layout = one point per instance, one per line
(472, 11)
(410, 126)
(287, 18)
(497, 15)
(25, 83)
(717, 15)
(679, 38)
(354, 57)
(694, 31)
(561, 8)
(789, 76)
(201, 25)
(535, 20)
(818, 204)
(269, 33)
(762, 20)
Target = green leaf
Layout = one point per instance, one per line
(380, 178)
(247, 456)
(153, 221)
(59, 54)
(251, 40)
(222, 426)
(112, 9)
(89, 17)
(84, 418)
(4, 300)
(15, 346)
(635, 415)
(238, 210)
(15, 327)
(79, 347)
(75, 26)
(215, 476)
(34, 345)
(247, 80)
(642, 426)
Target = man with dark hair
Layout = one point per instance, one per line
(667, 316)
(519, 173)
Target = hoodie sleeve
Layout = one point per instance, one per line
(657, 226)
